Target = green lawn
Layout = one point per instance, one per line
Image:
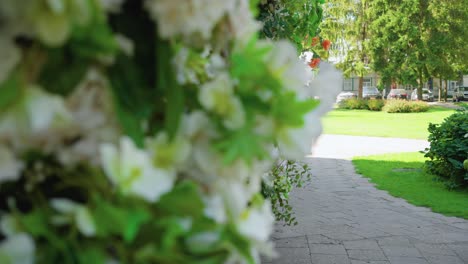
(382, 124)
(402, 176)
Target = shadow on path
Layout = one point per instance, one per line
(344, 219)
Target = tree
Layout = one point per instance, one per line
(413, 40)
(346, 23)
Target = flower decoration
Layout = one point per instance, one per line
(138, 131)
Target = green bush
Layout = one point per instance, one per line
(353, 103)
(403, 106)
(375, 105)
(449, 149)
(418, 106)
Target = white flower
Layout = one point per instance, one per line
(214, 208)
(242, 22)
(168, 154)
(196, 125)
(296, 143)
(184, 74)
(18, 249)
(257, 223)
(215, 65)
(187, 17)
(235, 196)
(326, 86)
(94, 121)
(74, 212)
(132, 171)
(218, 96)
(10, 166)
(8, 225)
(203, 241)
(46, 110)
(284, 62)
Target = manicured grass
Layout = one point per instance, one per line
(382, 124)
(402, 176)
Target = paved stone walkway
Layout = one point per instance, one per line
(344, 219)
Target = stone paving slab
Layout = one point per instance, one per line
(344, 219)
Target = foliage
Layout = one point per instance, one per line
(402, 175)
(285, 176)
(414, 40)
(296, 20)
(382, 124)
(448, 149)
(139, 131)
(403, 106)
(346, 23)
(353, 103)
(364, 104)
(375, 105)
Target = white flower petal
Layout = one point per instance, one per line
(85, 221)
(18, 249)
(153, 183)
(257, 224)
(63, 205)
(10, 166)
(214, 208)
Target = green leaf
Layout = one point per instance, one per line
(125, 222)
(168, 83)
(241, 143)
(133, 102)
(290, 111)
(242, 245)
(9, 90)
(35, 223)
(183, 200)
(62, 71)
(95, 38)
(91, 255)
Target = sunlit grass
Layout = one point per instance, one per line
(402, 175)
(382, 124)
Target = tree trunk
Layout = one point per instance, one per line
(361, 82)
(446, 90)
(420, 86)
(440, 89)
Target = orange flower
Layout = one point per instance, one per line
(314, 63)
(326, 44)
(315, 41)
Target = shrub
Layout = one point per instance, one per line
(375, 105)
(353, 103)
(449, 149)
(402, 106)
(418, 106)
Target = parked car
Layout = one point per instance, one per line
(426, 95)
(397, 94)
(345, 95)
(371, 93)
(460, 94)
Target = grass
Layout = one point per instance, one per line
(382, 124)
(402, 176)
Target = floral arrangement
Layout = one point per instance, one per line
(139, 131)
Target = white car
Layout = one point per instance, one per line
(345, 95)
(426, 95)
(460, 94)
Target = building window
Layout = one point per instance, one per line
(348, 85)
(367, 82)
